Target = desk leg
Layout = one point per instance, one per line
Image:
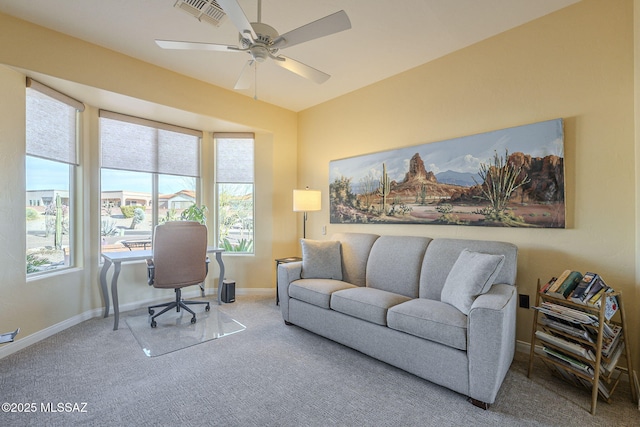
(114, 295)
(103, 286)
(221, 277)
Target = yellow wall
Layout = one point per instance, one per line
(106, 79)
(575, 64)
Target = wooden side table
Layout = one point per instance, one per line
(283, 261)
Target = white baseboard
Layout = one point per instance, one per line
(523, 347)
(637, 384)
(25, 342)
(21, 343)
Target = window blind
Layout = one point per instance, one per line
(51, 123)
(135, 144)
(234, 157)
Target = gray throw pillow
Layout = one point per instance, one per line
(472, 274)
(321, 259)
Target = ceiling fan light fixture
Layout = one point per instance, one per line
(208, 11)
(259, 53)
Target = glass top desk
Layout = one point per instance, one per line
(117, 258)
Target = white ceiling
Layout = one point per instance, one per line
(387, 37)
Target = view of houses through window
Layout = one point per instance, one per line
(128, 205)
(149, 175)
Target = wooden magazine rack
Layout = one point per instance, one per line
(588, 368)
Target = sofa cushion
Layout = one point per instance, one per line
(431, 320)
(316, 291)
(321, 259)
(355, 252)
(472, 274)
(366, 303)
(443, 253)
(394, 264)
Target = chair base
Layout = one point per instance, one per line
(177, 304)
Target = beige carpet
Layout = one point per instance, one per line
(268, 375)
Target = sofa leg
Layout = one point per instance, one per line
(288, 323)
(480, 404)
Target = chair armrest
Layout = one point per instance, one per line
(151, 272)
(491, 341)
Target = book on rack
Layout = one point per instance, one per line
(567, 286)
(566, 313)
(594, 300)
(611, 305)
(568, 360)
(603, 389)
(610, 364)
(564, 344)
(582, 290)
(548, 284)
(610, 335)
(611, 302)
(595, 292)
(567, 328)
(556, 284)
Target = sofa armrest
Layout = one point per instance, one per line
(491, 341)
(287, 273)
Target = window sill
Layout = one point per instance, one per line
(34, 277)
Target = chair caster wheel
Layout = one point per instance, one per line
(193, 320)
(153, 324)
(151, 312)
(207, 308)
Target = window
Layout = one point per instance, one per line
(149, 174)
(235, 192)
(50, 166)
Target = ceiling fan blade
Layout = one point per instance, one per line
(237, 16)
(244, 81)
(303, 70)
(173, 44)
(330, 24)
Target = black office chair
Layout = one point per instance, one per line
(179, 260)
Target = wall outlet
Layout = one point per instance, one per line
(324, 230)
(524, 300)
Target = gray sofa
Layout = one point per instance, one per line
(441, 309)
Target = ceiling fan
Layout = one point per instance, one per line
(262, 42)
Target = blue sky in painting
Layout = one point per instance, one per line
(464, 154)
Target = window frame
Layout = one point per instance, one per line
(155, 176)
(68, 153)
(216, 188)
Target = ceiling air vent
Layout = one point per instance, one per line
(205, 10)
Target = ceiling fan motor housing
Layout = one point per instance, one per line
(260, 48)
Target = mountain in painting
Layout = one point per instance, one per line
(457, 178)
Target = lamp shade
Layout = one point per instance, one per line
(306, 200)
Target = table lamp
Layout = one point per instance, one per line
(306, 201)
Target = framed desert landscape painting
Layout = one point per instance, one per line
(505, 178)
